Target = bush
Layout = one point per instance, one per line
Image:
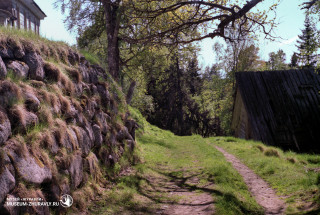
(272, 152)
(261, 148)
(292, 160)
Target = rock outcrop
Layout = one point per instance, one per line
(60, 126)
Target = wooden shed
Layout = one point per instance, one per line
(279, 108)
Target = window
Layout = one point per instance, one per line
(21, 19)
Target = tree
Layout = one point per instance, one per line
(160, 22)
(294, 60)
(248, 58)
(193, 79)
(312, 5)
(307, 44)
(277, 60)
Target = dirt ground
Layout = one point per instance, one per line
(263, 193)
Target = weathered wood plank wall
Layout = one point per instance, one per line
(282, 107)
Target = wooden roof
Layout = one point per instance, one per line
(283, 107)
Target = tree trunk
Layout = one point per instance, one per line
(112, 27)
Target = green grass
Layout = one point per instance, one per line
(92, 58)
(288, 172)
(26, 35)
(165, 155)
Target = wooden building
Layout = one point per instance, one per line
(21, 14)
(280, 108)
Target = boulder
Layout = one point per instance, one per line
(32, 102)
(6, 53)
(3, 69)
(84, 140)
(97, 135)
(5, 128)
(102, 119)
(71, 58)
(84, 72)
(7, 183)
(49, 142)
(123, 134)
(21, 119)
(19, 53)
(72, 139)
(112, 140)
(76, 170)
(104, 94)
(35, 63)
(93, 76)
(132, 126)
(26, 166)
(90, 107)
(71, 114)
(20, 69)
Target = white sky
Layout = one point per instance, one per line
(290, 16)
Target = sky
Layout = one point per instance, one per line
(53, 27)
(290, 19)
(289, 16)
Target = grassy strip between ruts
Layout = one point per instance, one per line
(176, 158)
(295, 176)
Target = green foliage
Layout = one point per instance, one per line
(277, 61)
(308, 44)
(172, 91)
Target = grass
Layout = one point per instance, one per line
(164, 155)
(92, 58)
(291, 174)
(176, 159)
(27, 40)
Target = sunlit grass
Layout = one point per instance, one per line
(291, 174)
(166, 155)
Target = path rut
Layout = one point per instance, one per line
(187, 200)
(263, 193)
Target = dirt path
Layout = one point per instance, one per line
(180, 195)
(263, 193)
(188, 202)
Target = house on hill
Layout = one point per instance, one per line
(21, 14)
(279, 108)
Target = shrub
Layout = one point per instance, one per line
(292, 160)
(261, 148)
(272, 152)
(315, 160)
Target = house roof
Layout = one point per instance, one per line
(37, 6)
(283, 106)
(34, 7)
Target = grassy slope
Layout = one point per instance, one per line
(178, 157)
(289, 173)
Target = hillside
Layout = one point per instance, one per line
(64, 125)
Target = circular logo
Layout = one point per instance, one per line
(66, 201)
